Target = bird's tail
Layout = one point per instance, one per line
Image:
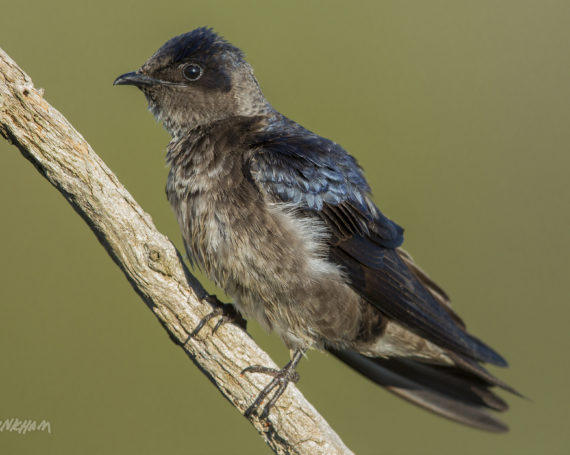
(460, 393)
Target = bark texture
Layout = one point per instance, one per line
(152, 265)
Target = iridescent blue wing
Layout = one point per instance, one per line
(321, 179)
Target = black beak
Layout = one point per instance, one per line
(134, 78)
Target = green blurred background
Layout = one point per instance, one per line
(460, 114)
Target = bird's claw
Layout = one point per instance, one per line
(226, 312)
(281, 379)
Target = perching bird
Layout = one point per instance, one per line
(283, 221)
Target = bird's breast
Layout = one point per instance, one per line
(268, 258)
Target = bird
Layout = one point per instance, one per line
(284, 222)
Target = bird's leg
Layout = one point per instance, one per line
(226, 311)
(281, 379)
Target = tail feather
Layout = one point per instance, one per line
(458, 394)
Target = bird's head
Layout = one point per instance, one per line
(195, 79)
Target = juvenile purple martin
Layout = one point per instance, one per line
(283, 221)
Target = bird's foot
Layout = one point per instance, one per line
(225, 311)
(280, 381)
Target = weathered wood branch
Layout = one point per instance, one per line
(151, 264)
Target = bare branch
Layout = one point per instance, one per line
(151, 264)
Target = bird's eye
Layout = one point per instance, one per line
(192, 72)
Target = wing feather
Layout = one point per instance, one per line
(321, 179)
